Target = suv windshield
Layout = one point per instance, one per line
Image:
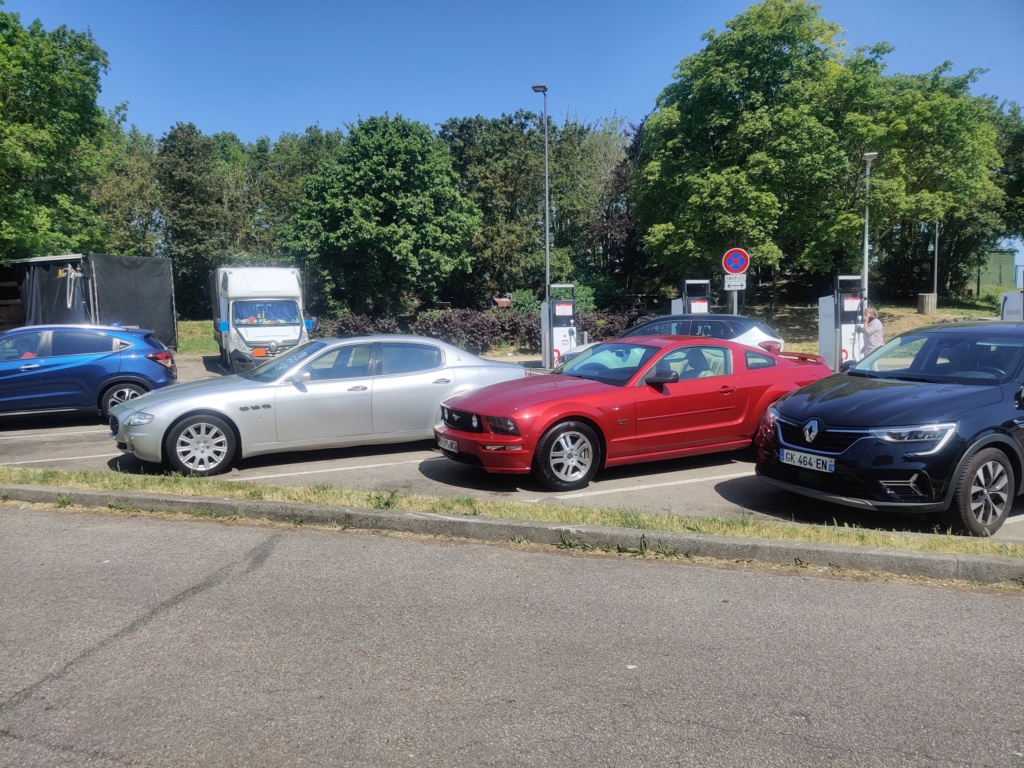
(944, 357)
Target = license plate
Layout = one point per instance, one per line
(807, 460)
(259, 352)
(448, 445)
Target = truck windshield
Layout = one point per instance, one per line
(263, 312)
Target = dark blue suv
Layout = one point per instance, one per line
(930, 423)
(79, 367)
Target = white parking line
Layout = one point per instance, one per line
(58, 434)
(1012, 520)
(330, 469)
(62, 458)
(634, 488)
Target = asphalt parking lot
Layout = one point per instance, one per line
(721, 485)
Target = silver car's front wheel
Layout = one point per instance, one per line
(201, 445)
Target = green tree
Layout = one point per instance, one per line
(50, 131)
(127, 193)
(193, 209)
(741, 150)
(386, 224)
(500, 166)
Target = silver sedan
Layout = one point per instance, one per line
(327, 393)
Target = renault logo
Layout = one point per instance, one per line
(811, 430)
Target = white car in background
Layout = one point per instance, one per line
(738, 328)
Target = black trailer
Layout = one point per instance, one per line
(131, 291)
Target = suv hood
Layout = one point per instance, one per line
(859, 401)
(508, 397)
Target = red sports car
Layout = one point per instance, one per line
(625, 401)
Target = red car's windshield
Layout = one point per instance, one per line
(613, 362)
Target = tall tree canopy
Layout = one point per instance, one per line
(759, 143)
(50, 132)
(386, 225)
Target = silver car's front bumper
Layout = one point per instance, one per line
(143, 442)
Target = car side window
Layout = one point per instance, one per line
(757, 360)
(695, 362)
(80, 343)
(21, 346)
(348, 362)
(714, 329)
(409, 357)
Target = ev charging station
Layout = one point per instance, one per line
(557, 326)
(696, 298)
(841, 322)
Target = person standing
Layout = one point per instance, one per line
(874, 332)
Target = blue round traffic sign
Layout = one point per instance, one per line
(736, 261)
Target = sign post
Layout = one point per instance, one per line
(735, 263)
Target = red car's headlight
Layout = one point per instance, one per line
(502, 425)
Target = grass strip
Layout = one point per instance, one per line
(337, 496)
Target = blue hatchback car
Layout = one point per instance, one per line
(45, 368)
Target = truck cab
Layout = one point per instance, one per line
(257, 314)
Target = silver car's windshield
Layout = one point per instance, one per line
(276, 367)
(613, 362)
(953, 358)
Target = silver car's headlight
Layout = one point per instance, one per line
(138, 419)
(920, 439)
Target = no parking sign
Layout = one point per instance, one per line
(735, 261)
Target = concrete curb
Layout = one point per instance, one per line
(975, 568)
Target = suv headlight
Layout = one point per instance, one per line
(921, 439)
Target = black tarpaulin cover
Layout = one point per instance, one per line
(134, 290)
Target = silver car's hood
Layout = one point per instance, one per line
(195, 391)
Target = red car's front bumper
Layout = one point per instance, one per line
(505, 454)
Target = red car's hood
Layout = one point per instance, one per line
(508, 397)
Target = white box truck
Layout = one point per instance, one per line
(257, 314)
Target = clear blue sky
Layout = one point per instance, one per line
(260, 68)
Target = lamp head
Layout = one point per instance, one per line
(869, 156)
(540, 88)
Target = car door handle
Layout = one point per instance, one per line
(727, 390)
(442, 381)
(359, 388)
(29, 367)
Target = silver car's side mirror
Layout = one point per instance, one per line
(301, 377)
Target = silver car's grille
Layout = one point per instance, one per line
(115, 425)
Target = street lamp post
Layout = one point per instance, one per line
(868, 157)
(541, 88)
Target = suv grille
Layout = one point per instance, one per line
(825, 441)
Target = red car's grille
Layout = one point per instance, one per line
(462, 420)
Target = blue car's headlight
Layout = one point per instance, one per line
(138, 419)
(920, 439)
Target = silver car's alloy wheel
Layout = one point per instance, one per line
(202, 447)
(989, 490)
